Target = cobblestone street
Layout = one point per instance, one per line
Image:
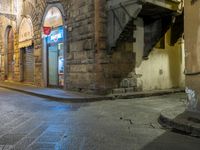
(33, 123)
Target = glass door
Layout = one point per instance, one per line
(53, 65)
(55, 59)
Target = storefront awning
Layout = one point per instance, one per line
(25, 43)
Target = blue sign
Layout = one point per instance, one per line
(56, 36)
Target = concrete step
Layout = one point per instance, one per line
(180, 119)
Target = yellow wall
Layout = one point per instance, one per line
(164, 69)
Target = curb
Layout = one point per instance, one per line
(95, 99)
(70, 100)
(147, 94)
(183, 124)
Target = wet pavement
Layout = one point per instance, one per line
(32, 123)
(52, 94)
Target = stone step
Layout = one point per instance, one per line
(123, 90)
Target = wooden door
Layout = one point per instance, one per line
(10, 53)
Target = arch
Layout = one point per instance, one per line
(58, 7)
(9, 67)
(26, 33)
(29, 11)
(27, 22)
(54, 18)
(26, 46)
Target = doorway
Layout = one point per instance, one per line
(54, 46)
(55, 58)
(10, 54)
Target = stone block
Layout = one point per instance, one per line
(88, 44)
(117, 91)
(129, 90)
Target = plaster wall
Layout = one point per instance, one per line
(164, 68)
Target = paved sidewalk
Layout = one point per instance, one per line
(143, 94)
(54, 94)
(33, 123)
(182, 120)
(76, 97)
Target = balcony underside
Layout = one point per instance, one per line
(172, 5)
(156, 14)
(152, 12)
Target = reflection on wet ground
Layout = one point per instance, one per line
(32, 123)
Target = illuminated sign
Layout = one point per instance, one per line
(57, 35)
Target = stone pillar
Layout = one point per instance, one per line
(192, 50)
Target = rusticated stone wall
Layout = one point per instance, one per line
(80, 71)
(88, 65)
(79, 18)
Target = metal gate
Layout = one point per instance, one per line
(28, 64)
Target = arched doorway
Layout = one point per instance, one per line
(54, 45)
(10, 54)
(26, 50)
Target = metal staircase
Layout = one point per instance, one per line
(157, 16)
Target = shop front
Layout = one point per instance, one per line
(53, 48)
(26, 50)
(55, 57)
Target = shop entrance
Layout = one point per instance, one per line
(26, 46)
(55, 57)
(54, 41)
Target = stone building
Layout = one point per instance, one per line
(98, 46)
(192, 38)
